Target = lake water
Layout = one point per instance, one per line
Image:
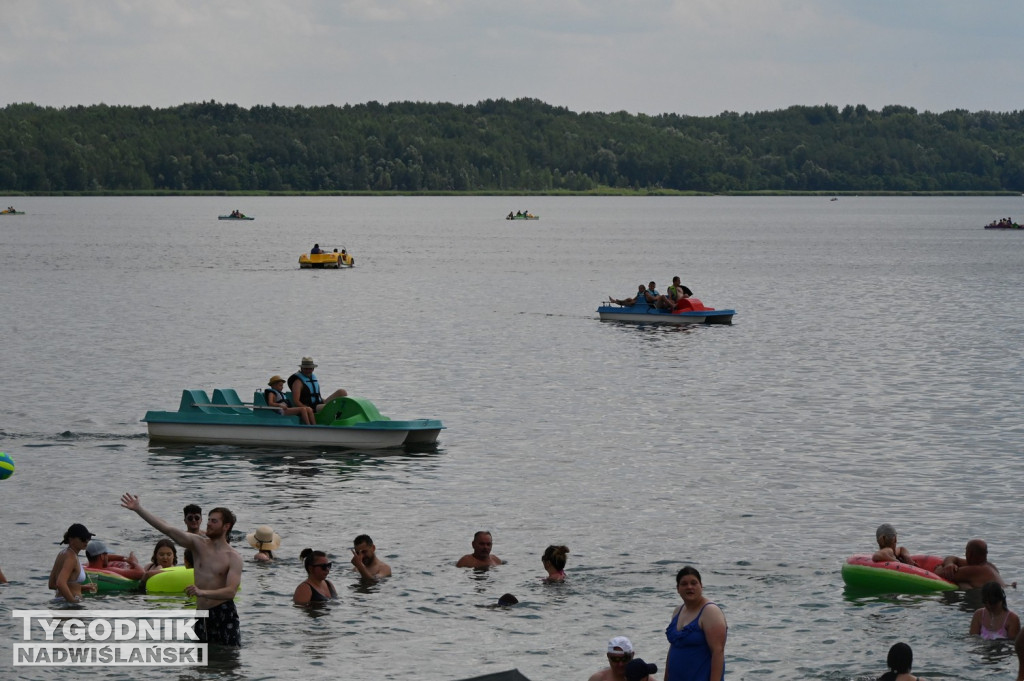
(873, 374)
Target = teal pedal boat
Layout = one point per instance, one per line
(349, 422)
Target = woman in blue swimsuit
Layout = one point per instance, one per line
(317, 588)
(696, 635)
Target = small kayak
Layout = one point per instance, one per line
(234, 217)
(860, 573)
(12, 212)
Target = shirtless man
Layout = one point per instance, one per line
(365, 560)
(193, 518)
(677, 291)
(218, 570)
(481, 556)
(973, 571)
(887, 549)
(620, 652)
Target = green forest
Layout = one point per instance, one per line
(521, 145)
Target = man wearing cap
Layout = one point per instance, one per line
(218, 570)
(101, 559)
(193, 519)
(365, 560)
(620, 653)
(887, 549)
(306, 389)
(278, 400)
(481, 556)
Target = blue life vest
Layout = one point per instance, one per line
(642, 300)
(281, 397)
(310, 395)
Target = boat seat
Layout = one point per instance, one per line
(196, 400)
(348, 411)
(231, 400)
(261, 408)
(690, 304)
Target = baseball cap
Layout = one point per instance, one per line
(620, 644)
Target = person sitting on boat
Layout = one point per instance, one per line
(629, 302)
(315, 250)
(511, 215)
(278, 400)
(100, 559)
(306, 388)
(887, 549)
(972, 571)
(655, 299)
(677, 292)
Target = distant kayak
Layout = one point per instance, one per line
(12, 212)
(234, 217)
(523, 216)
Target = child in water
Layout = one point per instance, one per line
(995, 620)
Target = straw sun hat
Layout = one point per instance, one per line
(264, 538)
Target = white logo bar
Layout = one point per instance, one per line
(109, 654)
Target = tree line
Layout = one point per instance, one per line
(504, 145)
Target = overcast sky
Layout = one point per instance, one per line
(697, 57)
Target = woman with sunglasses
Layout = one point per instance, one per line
(317, 588)
(67, 577)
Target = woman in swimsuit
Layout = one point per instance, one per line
(553, 561)
(995, 620)
(696, 635)
(165, 555)
(67, 577)
(317, 588)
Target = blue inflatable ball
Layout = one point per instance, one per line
(6, 466)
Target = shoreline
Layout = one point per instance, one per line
(497, 193)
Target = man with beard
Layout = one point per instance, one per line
(481, 556)
(218, 570)
(365, 560)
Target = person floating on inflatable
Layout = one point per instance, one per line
(887, 549)
(101, 559)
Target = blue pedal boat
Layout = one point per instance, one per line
(349, 422)
(687, 311)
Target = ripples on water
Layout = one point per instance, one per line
(872, 376)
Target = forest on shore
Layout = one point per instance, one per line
(521, 145)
